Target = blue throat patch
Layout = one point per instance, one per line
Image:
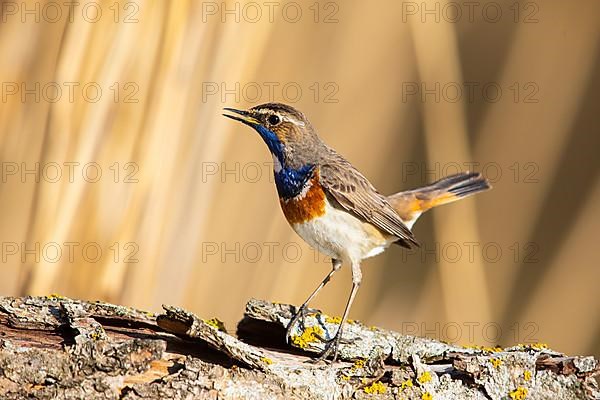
(273, 143)
(289, 181)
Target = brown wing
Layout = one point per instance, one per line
(355, 194)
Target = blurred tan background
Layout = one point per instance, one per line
(121, 181)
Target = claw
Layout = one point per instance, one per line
(299, 316)
(331, 345)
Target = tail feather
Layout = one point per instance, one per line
(460, 185)
(412, 203)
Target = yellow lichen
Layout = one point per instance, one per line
(484, 348)
(527, 376)
(310, 335)
(496, 349)
(216, 323)
(424, 378)
(55, 296)
(518, 394)
(337, 320)
(375, 388)
(534, 346)
(496, 362)
(406, 384)
(358, 364)
(266, 360)
(345, 377)
(426, 396)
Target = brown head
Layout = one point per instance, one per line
(287, 132)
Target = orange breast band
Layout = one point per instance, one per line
(305, 206)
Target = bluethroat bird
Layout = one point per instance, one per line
(333, 207)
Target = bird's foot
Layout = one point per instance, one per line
(331, 348)
(299, 316)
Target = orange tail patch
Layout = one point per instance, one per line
(421, 205)
(412, 203)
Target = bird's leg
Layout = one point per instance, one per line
(299, 315)
(333, 345)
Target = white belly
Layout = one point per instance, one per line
(341, 235)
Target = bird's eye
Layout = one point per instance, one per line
(273, 119)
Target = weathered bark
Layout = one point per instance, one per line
(58, 348)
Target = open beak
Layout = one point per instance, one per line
(245, 118)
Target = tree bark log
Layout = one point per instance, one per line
(58, 348)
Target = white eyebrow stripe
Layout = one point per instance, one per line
(286, 117)
(292, 120)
